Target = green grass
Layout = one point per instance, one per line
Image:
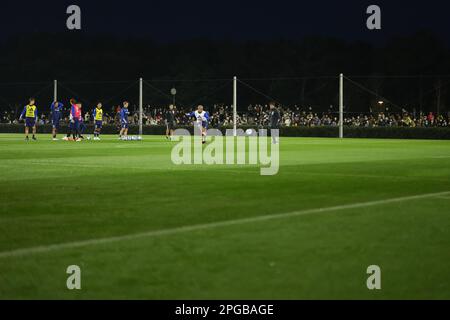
(65, 192)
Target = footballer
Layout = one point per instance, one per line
(75, 115)
(124, 121)
(31, 116)
(56, 112)
(201, 120)
(170, 122)
(98, 120)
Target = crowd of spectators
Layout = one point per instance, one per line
(258, 115)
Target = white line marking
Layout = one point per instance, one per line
(444, 197)
(156, 233)
(380, 176)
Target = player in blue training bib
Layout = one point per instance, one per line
(201, 121)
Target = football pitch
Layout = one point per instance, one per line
(140, 227)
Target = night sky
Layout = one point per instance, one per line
(172, 21)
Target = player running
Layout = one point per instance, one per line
(124, 121)
(31, 116)
(201, 121)
(98, 118)
(56, 112)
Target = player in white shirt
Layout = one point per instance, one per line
(201, 121)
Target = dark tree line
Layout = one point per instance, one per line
(302, 72)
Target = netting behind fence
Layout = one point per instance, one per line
(303, 101)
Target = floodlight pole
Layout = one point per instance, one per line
(341, 106)
(235, 106)
(140, 105)
(55, 90)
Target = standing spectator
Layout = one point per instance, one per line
(430, 119)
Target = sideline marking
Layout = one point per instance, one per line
(156, 233)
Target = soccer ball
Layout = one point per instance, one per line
(249, 132)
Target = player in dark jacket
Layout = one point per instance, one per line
(56, 110)
(274, 120)
(170, 122)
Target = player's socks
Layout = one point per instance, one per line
(34, 138)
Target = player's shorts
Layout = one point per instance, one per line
(202, 125)
(124, 125)
(30, 122)
(55, 122)
(170, 125)
(75, 125)
(98, 124)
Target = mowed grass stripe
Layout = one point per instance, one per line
(77, 244)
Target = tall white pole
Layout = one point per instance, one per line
(341, 106)
(235, 106)
(140, 106)
(55, 90)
